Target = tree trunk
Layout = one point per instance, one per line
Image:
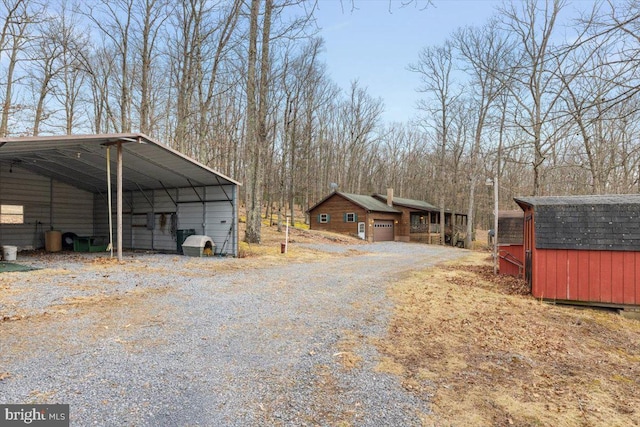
(257, 119)
(253, 200)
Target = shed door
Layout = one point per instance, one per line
(382, 231)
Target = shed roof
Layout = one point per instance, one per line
(610, 222)
(511, 214)
(80, 160)
(607, 199)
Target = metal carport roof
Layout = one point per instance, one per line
(81, 161)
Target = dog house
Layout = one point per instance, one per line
(198, 246)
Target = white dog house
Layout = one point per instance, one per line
(158, 195)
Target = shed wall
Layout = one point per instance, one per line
(611, 277)
(147, 217)
(101, 218)
(210, 213)
(47, 205)
(507, 252)
(510, 230)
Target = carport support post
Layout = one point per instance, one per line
(119, 202)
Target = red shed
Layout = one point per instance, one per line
(583, 249)
(510, 246)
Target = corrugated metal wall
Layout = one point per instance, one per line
(47, 205)
(148, 218)
(210, 213)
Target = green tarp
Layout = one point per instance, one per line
(12, 266)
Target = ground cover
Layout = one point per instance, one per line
(487, 353)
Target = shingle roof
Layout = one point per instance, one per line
(608, 199)
(510, 227)
(368, 202)
(409, 203)
(610, 222)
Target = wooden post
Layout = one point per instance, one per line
(286, 238)
(119, 202)
(495, 224)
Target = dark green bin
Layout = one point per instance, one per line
(181, 236)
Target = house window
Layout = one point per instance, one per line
(323, 218)
(350, 217)
(11, 214)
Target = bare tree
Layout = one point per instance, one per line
(535, 89)
(14, 39)
(114, 20)
(485, 55)
(256, 116)
(360, 116)
(44, 60)
(435, 67)
(149, 17)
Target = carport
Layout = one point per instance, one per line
(71, 183)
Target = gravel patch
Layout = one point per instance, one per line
(165, 340)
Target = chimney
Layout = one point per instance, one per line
(390, 197)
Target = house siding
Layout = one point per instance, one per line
(336, 206)
(403, 231)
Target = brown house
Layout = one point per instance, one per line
(357, 215)
(384, 218)
(420, 221)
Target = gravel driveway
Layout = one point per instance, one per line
(164, 340)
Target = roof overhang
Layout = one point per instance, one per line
(81, 161)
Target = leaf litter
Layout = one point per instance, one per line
(484, 352)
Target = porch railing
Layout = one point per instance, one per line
(424, 228)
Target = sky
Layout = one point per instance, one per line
(376, 42)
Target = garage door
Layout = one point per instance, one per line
(382, 231)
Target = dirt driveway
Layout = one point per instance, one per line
(164, 340)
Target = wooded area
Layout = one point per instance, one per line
(542, 97)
